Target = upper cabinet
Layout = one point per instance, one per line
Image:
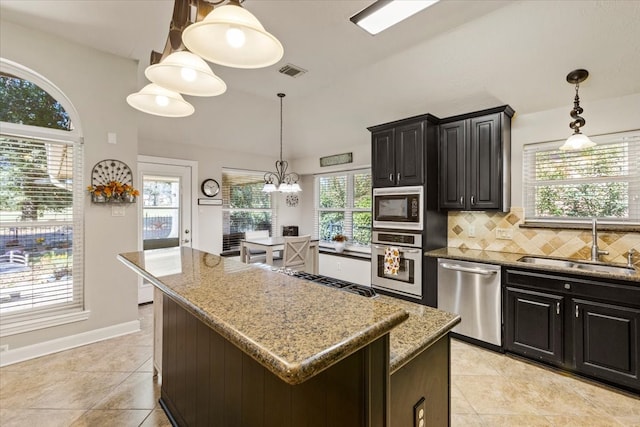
(398, 151)
(475, 152)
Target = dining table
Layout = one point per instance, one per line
(273, 244)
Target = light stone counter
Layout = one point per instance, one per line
(510, 259)
(292, 327)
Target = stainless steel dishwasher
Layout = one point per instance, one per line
(472, 290)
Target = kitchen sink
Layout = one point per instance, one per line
(579, 265)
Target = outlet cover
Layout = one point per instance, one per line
(504, 233)
(117, 210)
(472, 230)
(4, 348)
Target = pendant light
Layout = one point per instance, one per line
(156, 100)
(280, 180)
(186, 73)
(577, 141)
(231, 36)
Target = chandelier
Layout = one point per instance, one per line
(201, 30)
(280, 180)
(577, 141)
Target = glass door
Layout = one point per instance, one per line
(165, 211)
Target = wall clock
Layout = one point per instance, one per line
(210, 187)
(292, 200)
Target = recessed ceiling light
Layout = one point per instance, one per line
(384, 13)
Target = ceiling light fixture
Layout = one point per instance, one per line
(232, 36)
(281, 180)
(577, 141)
(228, 35)
(156, 100)
(384, 13)
(186, 73)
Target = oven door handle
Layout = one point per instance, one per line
(456, 267)
(407, 251)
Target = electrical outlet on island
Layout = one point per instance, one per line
(419, 413)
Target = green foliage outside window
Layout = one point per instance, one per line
(590, 183)
(26, 187)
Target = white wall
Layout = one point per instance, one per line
(97, 84)
(210, 164)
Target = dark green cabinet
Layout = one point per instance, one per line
(586, 325)
(475, 152)
(534, 324)
(398, 151)
(606, 341)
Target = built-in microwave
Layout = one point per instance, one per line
(398, 207)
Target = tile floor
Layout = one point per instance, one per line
(111, 383)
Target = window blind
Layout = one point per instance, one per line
(343, 206)
(602, 181)
(41, 228)
(245, 207)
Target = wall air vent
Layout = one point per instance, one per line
(292, 70)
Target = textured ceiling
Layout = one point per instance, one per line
(455, 57)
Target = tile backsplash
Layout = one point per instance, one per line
(499, 231)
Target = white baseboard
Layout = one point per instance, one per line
(21, 354)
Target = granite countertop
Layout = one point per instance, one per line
(425, 326)
(510, 259)
(293, 327)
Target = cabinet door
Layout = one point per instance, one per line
(383, 158)
(409, 150)
(606, 341)
(533, 324)
(485, 163)
(452, 165)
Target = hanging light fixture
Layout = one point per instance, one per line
(577, 141)
(186, 73)
(281, 180)
(232, 36)
(156, 100)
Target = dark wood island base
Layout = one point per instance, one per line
(208, 381)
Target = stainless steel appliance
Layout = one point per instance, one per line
(398, 208)
(472, 290)
(407, 280)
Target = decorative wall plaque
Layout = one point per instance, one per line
(336, 159)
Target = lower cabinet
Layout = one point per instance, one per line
(606, 341)
(534, 328)
(583, 325)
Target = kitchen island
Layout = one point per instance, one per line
(243, 345)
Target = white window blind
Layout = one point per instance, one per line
(41, 228)
(245, 207)
(602, 182)
(343, 206)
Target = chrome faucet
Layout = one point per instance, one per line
(595, 252)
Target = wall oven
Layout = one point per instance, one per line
(396, 263)
(398, 208)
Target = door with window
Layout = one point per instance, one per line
(164, 211)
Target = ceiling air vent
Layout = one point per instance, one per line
(292, 70)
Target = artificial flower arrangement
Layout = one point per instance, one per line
(113, 191)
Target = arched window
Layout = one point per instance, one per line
(41, 199)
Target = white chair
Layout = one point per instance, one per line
(255, 255)
(296, 250)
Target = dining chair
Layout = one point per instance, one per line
(253, 255)
(296, 250)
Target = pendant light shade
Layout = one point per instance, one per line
(186, 73)
(156, 100)
(577, 141)
(231, 36)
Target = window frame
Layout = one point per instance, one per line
(35, 319)
(632, 179)
(226, 210)
(349, 210)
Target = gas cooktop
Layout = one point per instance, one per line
(334, 283)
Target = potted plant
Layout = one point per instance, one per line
(113, 191)
(339, 240)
